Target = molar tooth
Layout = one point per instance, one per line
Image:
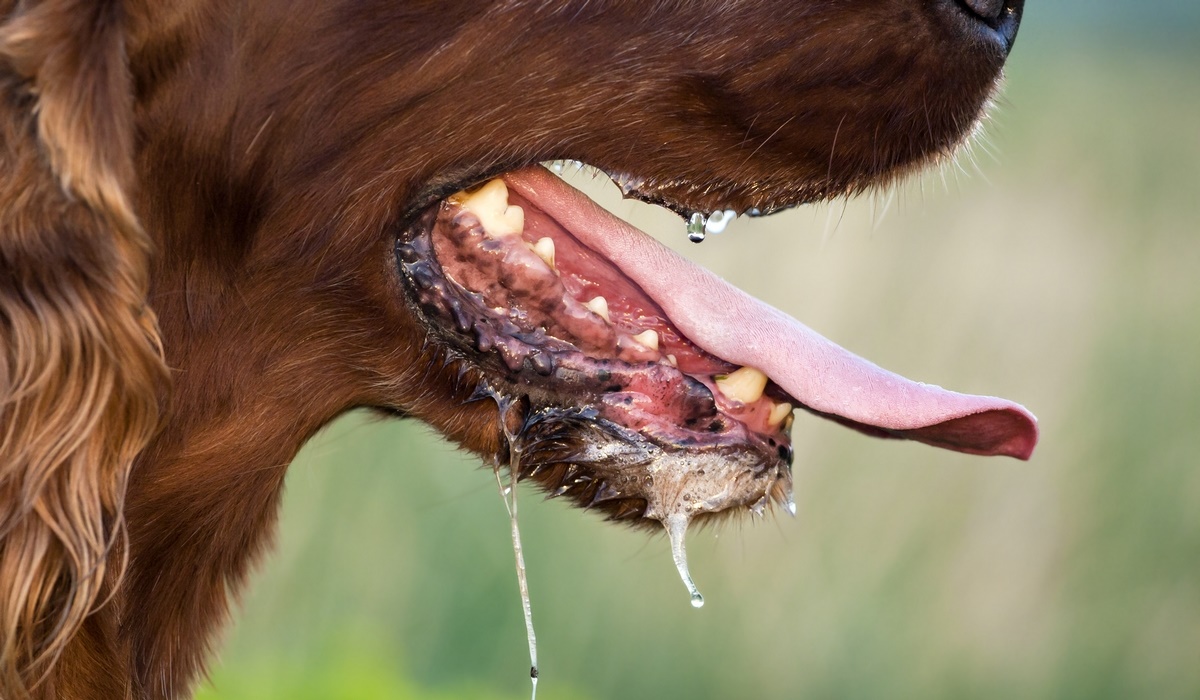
(745, 384)
(778, 413)
(648, 338)
(545, 250)
(599, 306)
(490, 204)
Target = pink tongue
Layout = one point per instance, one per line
(828, 379)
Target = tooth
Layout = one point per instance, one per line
(490, 204)
(778, 413)
(674, 362)
(545, 250)
(745, 384)
(599, 306)
(648, 338)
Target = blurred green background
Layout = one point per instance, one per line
(1058, 265)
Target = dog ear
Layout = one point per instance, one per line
(81, 369)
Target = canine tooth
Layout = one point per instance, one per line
(545, 250)
(674, 362)
(648, 338)
(490, 204)
(599, 306)
(778, 413)
(745, 384)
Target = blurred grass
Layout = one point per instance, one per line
(1063, 275)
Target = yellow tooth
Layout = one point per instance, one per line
(599, 306)
(745, 384)
(778, 413)
(648, 338)
(545, 250)
(514, 217)
(490, 204)
(674, 362)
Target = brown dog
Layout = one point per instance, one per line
(224, 223)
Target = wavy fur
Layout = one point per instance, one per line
(80, 363)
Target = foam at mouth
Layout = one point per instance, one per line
(729, 324)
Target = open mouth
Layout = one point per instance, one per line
(648, 387)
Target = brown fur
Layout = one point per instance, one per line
(269, 151)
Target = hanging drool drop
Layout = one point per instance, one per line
(718, 220)
(695, 227)
(508, 493)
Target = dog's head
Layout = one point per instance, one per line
(377, 192)
(346, 209)
(366, 177)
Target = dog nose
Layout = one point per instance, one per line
(1001, 17)
(987, 10)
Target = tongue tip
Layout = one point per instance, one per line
(1024, 438)
(1005, 431)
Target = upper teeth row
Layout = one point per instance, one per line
(490, 204)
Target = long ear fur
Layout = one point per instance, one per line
(81, 368)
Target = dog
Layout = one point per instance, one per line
(225, 223)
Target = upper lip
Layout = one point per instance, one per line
(663, 193)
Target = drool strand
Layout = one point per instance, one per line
(509, 495)
(677, 524)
